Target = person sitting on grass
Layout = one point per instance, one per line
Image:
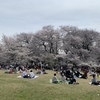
(62, 78)
(84, 76)
(54, 79)
(31, 74)
(39, 71)
(44, 71)
(77, 74)
(73, 81)
(24, 73)
(8, 71)
(94, 82)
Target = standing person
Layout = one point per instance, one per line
(46, 66)
(31, 74)
(54, 79)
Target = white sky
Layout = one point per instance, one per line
(18, 16)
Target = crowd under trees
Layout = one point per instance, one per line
(78, 46)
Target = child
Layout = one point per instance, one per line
(94, 82)
(54, 79)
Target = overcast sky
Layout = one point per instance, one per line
(18, 16)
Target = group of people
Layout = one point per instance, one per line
(63, 79)
(26, 75)
(69, 76)
(39, 71)
(72, 80)
(74, 72)
(31, 74)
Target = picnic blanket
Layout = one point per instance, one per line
(31, 78)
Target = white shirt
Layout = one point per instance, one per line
(54, 79)
(31, 75)
(24, 73)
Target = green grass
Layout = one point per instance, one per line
(13, 88)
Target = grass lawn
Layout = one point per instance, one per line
(13, 88)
